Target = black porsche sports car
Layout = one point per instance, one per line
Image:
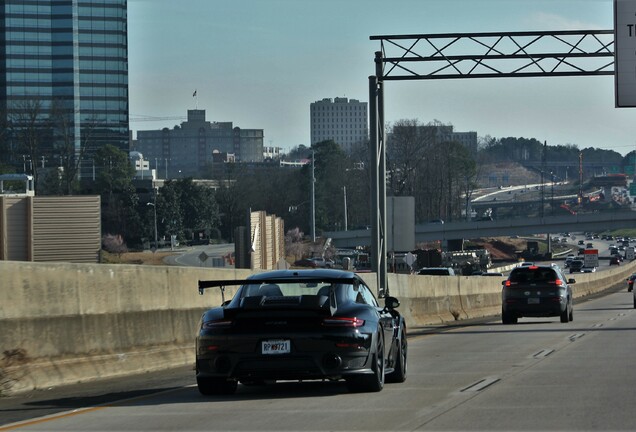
(300, 325)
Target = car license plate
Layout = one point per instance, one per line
(281, 346)
(533, 300)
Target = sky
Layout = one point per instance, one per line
(261, 63)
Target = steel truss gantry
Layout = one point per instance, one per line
(468, 55)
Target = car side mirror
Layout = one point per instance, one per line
(391, 303)
(571, 281)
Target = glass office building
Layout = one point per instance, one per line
(64, 68)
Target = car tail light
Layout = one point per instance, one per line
(216, 324)
(343, 322)
(509, 283)
(204, 349)
(534, 267)
(354, 345)
(557, 282)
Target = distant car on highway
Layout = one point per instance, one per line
(305, 262)
(322, 262)
(314, 263)
(630, 282)
(615, 260)
(585, 269)
(536, 291)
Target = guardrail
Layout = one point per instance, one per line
(65, 323)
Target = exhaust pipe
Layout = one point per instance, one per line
(331, 361)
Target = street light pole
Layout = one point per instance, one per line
(154, 208)
(313, 197)
(552, 197)
(344, 190)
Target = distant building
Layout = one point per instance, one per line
(342, 120)
(142, 166)
(186, 150)
(67, 62)
(272, 153)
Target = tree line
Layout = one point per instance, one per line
(440, 174)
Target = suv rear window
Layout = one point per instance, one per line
(533, 275)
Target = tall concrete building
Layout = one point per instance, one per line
(186, 150)
(63, 79)
(342, 120)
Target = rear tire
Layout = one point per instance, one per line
(565, 317)
(371, 382)
(399, 373)
(508, 318)
(216, 386)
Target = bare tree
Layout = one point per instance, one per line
(71, 149)
(407, 148)
(29, 127)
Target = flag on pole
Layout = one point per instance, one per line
(194, 94)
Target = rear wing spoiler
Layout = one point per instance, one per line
(203, 284)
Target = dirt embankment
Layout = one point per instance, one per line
(145, 258)
(500, 248)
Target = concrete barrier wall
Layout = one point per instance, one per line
(64, 323)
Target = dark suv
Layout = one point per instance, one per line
(536, 291)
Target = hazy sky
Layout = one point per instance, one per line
(260, 63)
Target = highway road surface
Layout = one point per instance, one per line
(537, 375)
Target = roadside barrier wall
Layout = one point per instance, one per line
(64, 323)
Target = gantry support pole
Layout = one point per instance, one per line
(378, 178)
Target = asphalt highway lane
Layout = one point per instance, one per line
(537, 375)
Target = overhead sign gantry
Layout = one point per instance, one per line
(471, 55)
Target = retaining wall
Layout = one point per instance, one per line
(64, 323)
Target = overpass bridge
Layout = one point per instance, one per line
(594, 222)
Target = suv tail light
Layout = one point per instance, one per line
(557, 282)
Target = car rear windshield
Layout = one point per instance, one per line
(285, 290)
(294, 292)
(533, 275)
